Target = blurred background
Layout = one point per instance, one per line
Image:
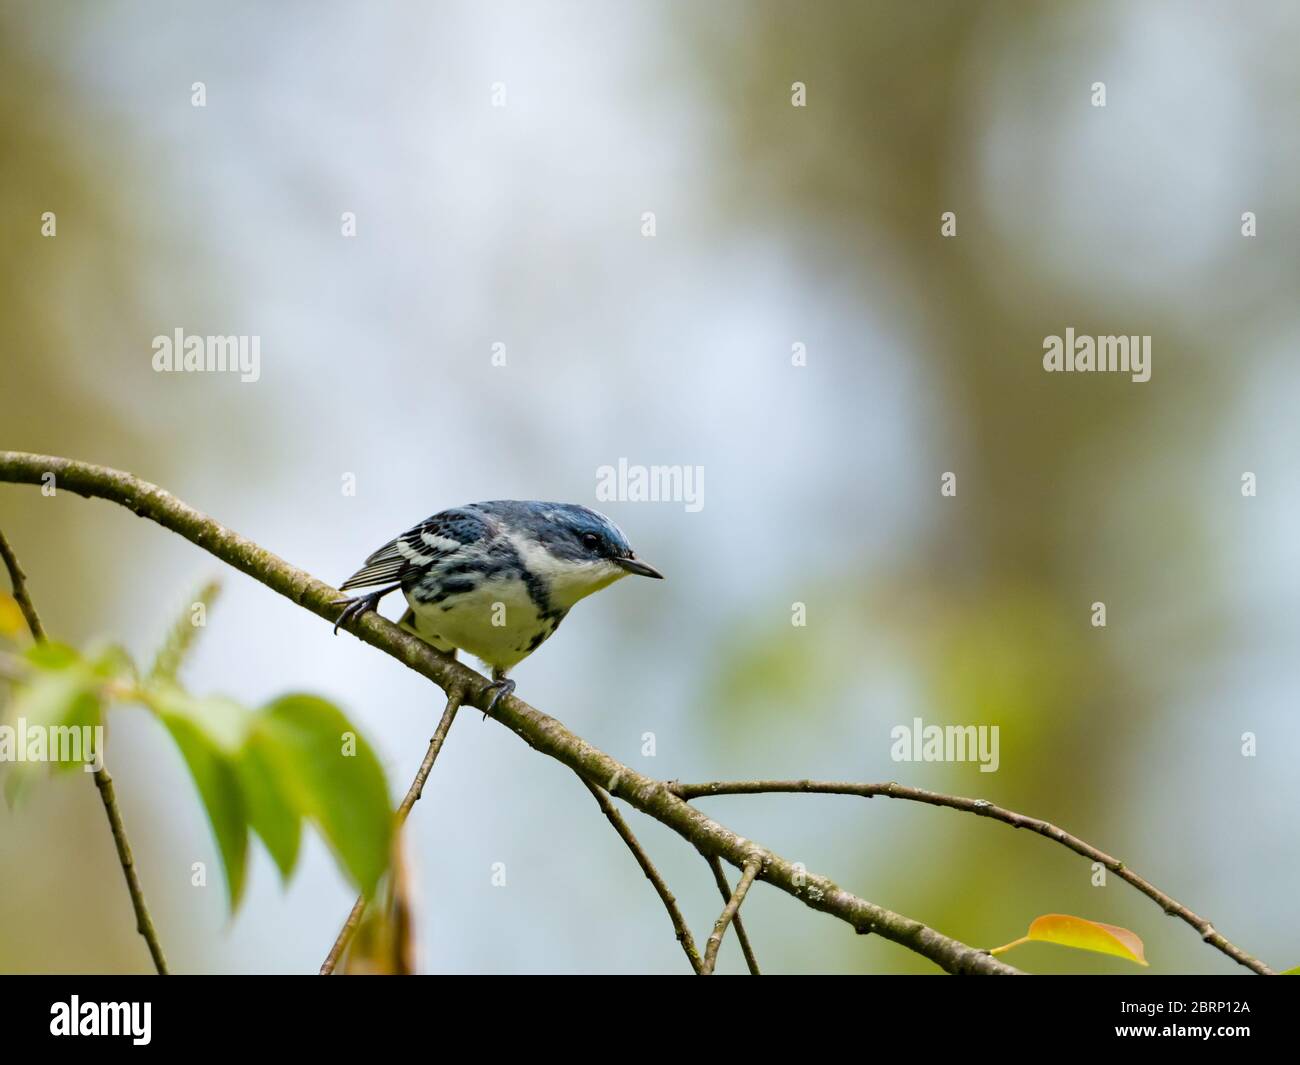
(775, 225)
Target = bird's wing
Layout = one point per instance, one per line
(433, 540)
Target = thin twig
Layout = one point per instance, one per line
(652, 874)
(720, 878)
(143, 922)
(730, 911)
(413, 794)
(542, 732)
(18, 579)
(345, 935)
(104, 782)
(983, 808)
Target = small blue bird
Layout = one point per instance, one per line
(495, 579)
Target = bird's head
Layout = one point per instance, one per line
(576, 550)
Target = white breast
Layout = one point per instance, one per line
(496, 622)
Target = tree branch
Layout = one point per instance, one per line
(720, 877)
(104, 782)
(18, 580)
(413, 794)
(540, 731)
(729, 912)
(652, 874)
(983, 808)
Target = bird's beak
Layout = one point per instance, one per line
(635, 565)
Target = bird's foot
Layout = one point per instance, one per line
(502, 686)
(355, 607)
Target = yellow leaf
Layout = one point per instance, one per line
(385, 940)
(12, 621)
(1067, 931)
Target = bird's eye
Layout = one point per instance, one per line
(590, 541)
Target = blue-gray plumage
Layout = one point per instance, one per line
(495, 579)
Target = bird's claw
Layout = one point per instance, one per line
(502, 686)
(355, 607)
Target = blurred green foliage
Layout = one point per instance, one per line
(268, 770)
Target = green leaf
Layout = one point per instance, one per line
(209, 733)
(54, 714)
(298, 757)
(225, 723)
(216, 778)
(51, 655)
(334, 778)
(67, 698)
(272, 812)
(112, 663)
(57, 711)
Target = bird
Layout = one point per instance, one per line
(495, 579)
